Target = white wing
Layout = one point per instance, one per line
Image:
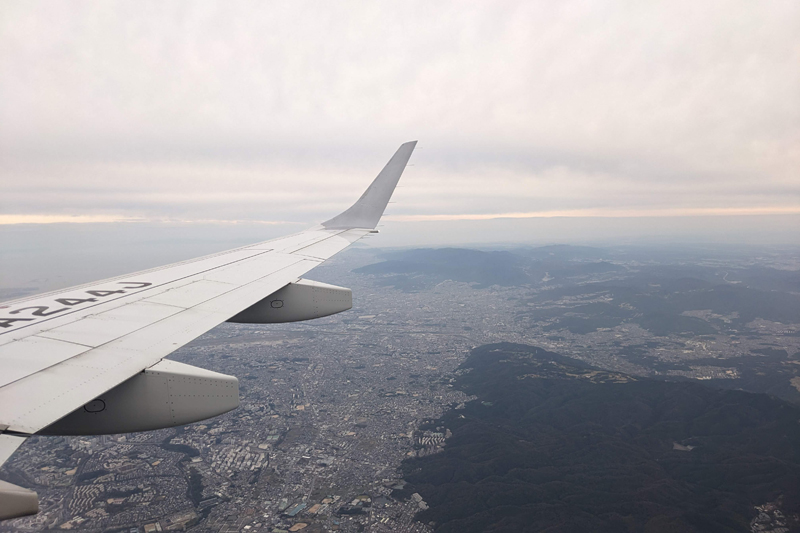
(62, 350)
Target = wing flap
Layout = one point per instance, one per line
(105, 327)
(32, 354)
(192, 293)
(323, 249)
(291, 243)
(252, 269)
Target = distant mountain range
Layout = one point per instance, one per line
(413, 270)
(575, 290)
(654, 295)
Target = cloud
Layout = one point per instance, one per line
(604, 213)
(285, 111)
(61, 219)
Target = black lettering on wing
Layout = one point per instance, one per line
(40, 310)
(9, 322)
(74, 301)
(104, 293)
(135, 284)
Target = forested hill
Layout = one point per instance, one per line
(554, 445)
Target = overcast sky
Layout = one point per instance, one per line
(282, 112)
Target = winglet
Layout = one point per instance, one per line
(367, 211)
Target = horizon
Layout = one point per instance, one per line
(44, 257)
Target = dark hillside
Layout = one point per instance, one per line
(554, 445)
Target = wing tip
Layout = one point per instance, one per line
(367, 211)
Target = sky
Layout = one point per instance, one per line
(536, 120)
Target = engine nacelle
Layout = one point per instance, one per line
(165, 395)
(302, 300)
(16, 501)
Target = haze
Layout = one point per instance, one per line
(538, 122)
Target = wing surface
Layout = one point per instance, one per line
(62, 349)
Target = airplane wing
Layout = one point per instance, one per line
(90, 359)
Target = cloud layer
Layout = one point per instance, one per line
(271, 111)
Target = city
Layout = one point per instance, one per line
(330, 409)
